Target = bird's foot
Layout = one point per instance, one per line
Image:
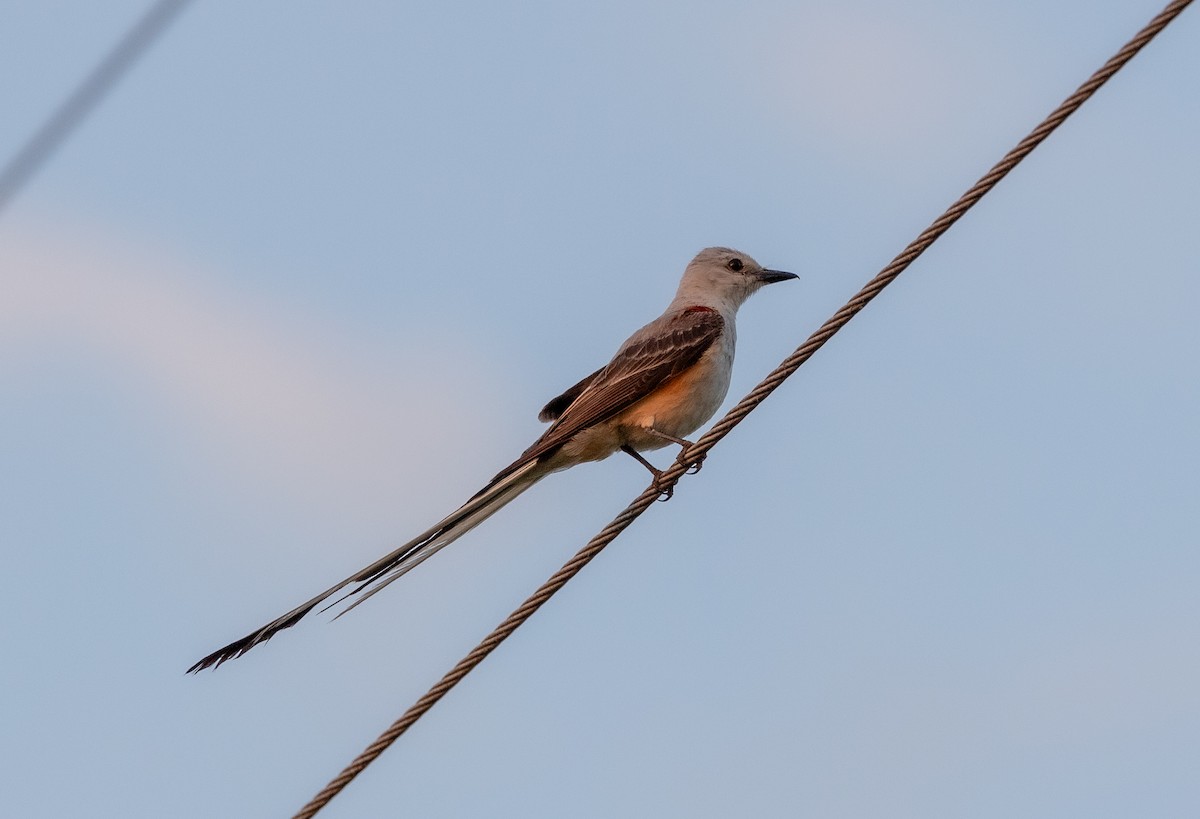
(665, 492)
(698, 465)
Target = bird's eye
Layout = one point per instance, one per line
(735, 264)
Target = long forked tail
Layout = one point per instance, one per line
(504, 488)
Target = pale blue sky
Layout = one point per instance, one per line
(301, 284)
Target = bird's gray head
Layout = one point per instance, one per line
(720, 277)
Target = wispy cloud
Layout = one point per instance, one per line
(296, 401)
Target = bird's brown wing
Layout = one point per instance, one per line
(644, 364)
(559, 404)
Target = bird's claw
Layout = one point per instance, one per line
(665, 493)
(697, 466)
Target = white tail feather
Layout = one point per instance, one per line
(486, 504)
(399, 561)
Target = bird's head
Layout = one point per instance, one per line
(724, 278)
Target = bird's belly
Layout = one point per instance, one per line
(592, 444)
(677, 408)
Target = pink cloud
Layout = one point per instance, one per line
(295, 402)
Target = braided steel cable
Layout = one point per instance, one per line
(692, 455)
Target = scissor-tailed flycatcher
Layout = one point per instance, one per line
(667, 379)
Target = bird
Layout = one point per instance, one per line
(664, 382)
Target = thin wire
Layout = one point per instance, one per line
(693, 454)
(87, 95)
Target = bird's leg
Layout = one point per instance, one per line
(638, 457)
(655, 471)
(684, 443)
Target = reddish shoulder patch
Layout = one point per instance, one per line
(699, 309)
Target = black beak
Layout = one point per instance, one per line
(771, 276)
